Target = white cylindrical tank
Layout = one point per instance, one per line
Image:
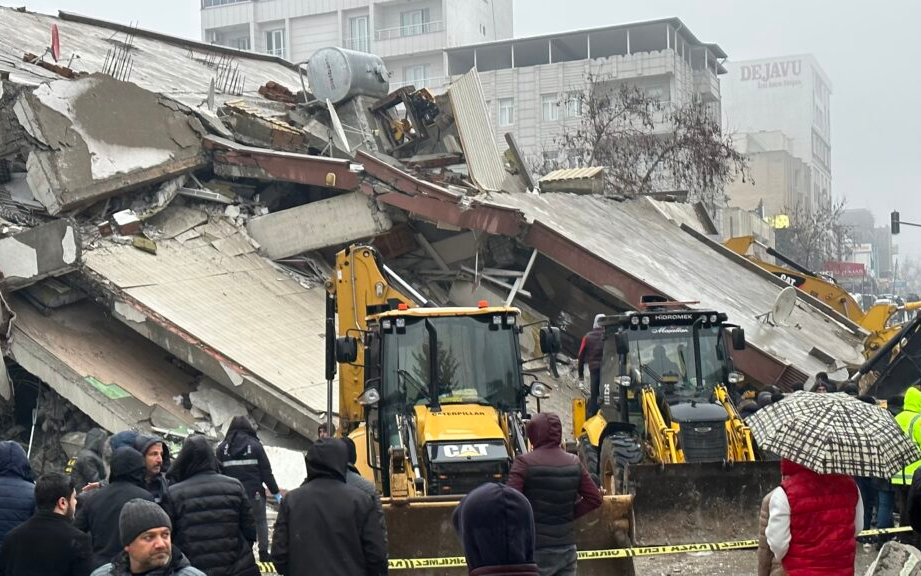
(339, 74)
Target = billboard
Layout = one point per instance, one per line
(840, 269)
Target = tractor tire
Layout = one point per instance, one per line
(588, 455)
(618, 452)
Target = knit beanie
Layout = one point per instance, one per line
(139, 516)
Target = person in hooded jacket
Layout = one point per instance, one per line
(354, 478)
(242, 456)
(496, 527)
(212, 518)
(88, 466)
(98, 514)
(813, 521)
(17, 489)
(559, 489)
(591, 353)
(157, 460)
(910, 421)
(326, 526)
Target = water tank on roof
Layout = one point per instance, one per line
(340, 74)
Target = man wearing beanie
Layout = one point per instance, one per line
(144, 533)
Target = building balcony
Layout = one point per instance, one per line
(436, 84)
(412, 39)
(707, 85)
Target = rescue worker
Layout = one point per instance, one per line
(910, 421)
(559, 489)
(242, 456)
(88, 466)
(591, 353)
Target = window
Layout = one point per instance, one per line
(549, 107)
(658, 93)
(242, 43)
(275, 42)
(506, 111)
(358, 34)
(573, 105)
(416, 75)
(550, 157)
(210, 3)
(414, 22)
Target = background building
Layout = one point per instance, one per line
(409, 35)
(527, 81)
(790, 94)
(779, 179)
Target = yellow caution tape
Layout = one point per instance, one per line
(635, 552)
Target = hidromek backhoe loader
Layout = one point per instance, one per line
(434, 399)
(667, 430)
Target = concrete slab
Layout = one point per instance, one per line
(49, 249)
(102, 137)
(330, 222)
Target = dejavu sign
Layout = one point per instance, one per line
(779, 72)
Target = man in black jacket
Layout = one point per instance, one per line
(242, 457)
(559, 490)
(157, 459)
(47, 544)
(325, 526)
(99, 513)
(212, 519)
(17, 489)
(591, 355)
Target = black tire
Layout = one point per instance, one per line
(588, 455)
(618, 452)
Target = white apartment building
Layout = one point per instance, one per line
(527, 80)
(778, 181)
(410, 35)
(790, 94)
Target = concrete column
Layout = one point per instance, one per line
(513, 55)
(252, 27)
(550, 51)
(628, 42)
(288, 54)
(588, 46)
(668, 37)
(372, 29)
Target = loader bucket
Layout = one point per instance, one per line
(421, 528)
(696, 503)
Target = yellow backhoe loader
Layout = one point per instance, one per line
(667, 430)
(435, 401)
(877, 320)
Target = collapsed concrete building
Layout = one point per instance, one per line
(168, 210)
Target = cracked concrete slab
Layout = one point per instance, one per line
(49, 249)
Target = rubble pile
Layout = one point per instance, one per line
(165, 234)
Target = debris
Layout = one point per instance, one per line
(219, 405)
(896, 559)
(49, 249)
(275, 91)
(256, 129)
(64, 71)
(575, 180)
(145, 244)
(177, 220)
(126, 222)
(105, 228)
(316, 225)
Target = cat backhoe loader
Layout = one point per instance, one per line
(667, 430)
(435, 401)
(878, 320)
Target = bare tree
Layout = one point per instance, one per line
(815, 235)
(644, 145)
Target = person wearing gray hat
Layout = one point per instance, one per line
(144, 529)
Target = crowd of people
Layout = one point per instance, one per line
(127, 507)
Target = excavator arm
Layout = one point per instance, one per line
(741, 447)
(662, 437)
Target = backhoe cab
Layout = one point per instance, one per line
(667, 429)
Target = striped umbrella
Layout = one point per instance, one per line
(834, 434)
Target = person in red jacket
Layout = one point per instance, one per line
(591, 353)
(813, 521)
(559, 490)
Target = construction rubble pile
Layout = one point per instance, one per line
(169, 210)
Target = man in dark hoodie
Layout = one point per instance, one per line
(325, 526)
(212, 518)
(88, 466)
(145, 536)
(591, 355)
(242, 456)
(559, 490)
(354, 478)
(17, 490)
(496, 527)
(157, 461)
(98, 515)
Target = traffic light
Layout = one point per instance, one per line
(895, 222)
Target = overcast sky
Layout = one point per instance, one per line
(869, 50)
